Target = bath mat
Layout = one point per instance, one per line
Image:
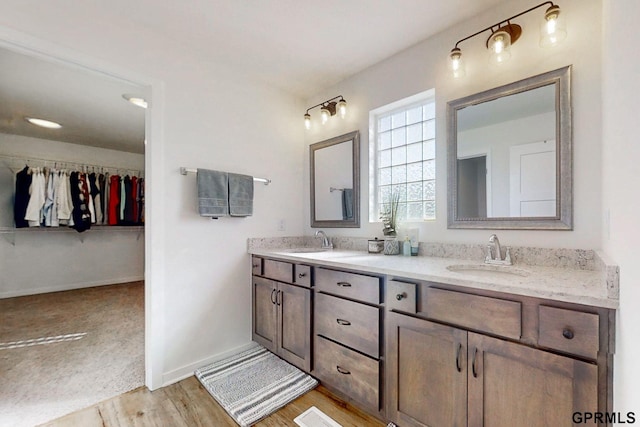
(253, 384)
(314, 417)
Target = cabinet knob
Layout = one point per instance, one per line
(301, 275)
(399, 297)
(256, 265)
(343, 322)
(343, 371)
(567, 333)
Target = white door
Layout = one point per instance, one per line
(533, 179)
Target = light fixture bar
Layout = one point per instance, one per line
(328, 108)
(504, 21)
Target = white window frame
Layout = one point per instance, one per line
(403, 104)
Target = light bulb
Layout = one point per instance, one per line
(342, 108)
(324, 114)
(307, 121)
(455, 64)
(499, 45)
(552, 29)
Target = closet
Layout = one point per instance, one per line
(72, 225)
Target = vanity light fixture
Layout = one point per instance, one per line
(136, 100)
(505, 33)
(328, 108)
(43, 123)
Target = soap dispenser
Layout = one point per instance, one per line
(406, 247)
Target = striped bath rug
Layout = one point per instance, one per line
(253, 384)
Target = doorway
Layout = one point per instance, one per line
(71, 304)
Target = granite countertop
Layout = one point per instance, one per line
(580, 286)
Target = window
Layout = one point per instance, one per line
(402, 154)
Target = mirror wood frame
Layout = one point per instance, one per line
(352, 223)
(563, 220)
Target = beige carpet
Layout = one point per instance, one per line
(64, 351)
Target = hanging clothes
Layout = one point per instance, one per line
(134, 199)
(123, 200)
(49, 213)
(129, 201)
(95, 197)
(141, 185)
(36, 199)
(63, 202)
(114, 199)
(101, 184)
(79, 195)
(23, 183)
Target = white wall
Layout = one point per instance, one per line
(100, 256)
(424, 66)
(202, 115)
(621, 153)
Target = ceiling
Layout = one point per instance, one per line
(300, 47)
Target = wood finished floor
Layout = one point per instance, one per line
(188, 404)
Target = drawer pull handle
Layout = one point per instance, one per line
(344, 284)
(343, 371)
(567, 333)
(473, 365)
(458, 367)
(301, 275)
(273, 301)
(256, 265)
(343, 322)
(399, 297)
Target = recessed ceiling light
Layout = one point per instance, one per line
(135, 100)
(43, 123)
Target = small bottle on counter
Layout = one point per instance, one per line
(406, 247)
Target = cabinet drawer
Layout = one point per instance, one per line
(351, 285)
(256, 266)
(302, 275)
(350, 323)
(569, 331)
(401, 296)
(278, 270)
(353, 374)
(491, 315)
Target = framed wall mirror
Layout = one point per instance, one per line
(335, 182)
(509, 156)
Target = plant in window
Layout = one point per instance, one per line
(389, 215)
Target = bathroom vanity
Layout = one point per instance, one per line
(429, 341)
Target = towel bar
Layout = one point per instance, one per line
(185, 171)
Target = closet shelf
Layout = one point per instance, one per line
(109, 228)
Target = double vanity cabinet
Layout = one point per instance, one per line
(430, 353)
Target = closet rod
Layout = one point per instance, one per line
(185, 171)
(28, 159)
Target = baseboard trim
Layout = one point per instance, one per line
(187, 371)
(67, 287)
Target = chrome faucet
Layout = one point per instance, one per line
(326, 242)
(494, 252)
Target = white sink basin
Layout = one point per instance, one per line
(306, 250)
(488, 270)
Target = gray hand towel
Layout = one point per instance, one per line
(240, 195)
(347, 203)
(213, 193)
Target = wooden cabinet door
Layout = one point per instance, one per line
(511, 384)
(264, 294)
(426, 375)
(294, 325)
